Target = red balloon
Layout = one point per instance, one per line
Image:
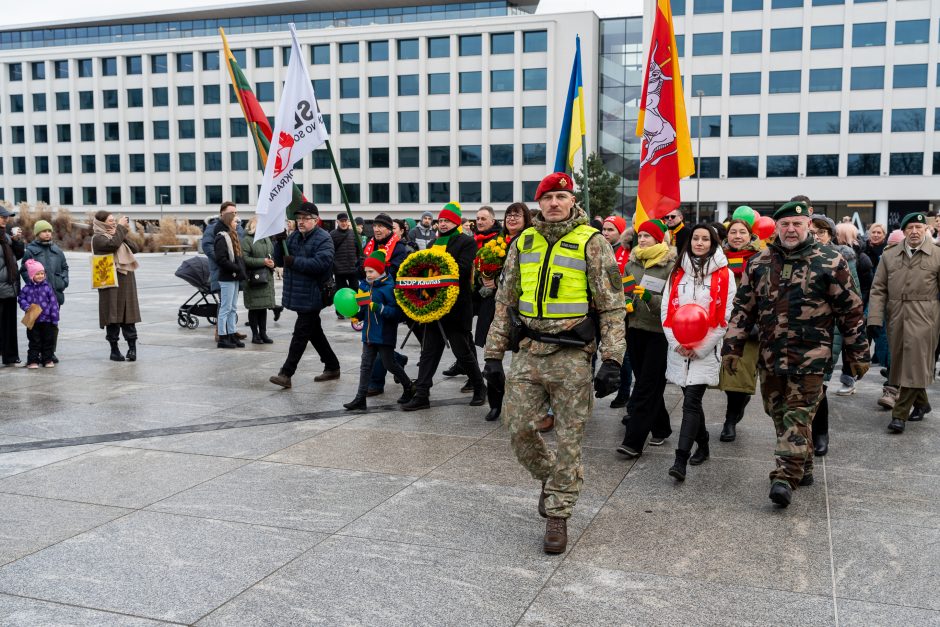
(764, 227)
(690, 325)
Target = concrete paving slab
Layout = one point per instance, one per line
(862, 614)
(884, 497)
(154, 565)
(20, 611)
(16, 463)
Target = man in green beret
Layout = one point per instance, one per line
(904, 299)
(796, 292)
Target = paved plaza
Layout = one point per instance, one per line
(184, 488)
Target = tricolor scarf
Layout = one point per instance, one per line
(388, 247)
(441, 242)
(717, 294)
(737, 259)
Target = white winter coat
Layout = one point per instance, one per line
(704, 370)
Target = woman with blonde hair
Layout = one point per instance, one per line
(259, 288)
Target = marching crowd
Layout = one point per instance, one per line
(577, 301)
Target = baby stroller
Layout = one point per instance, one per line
(204, 303)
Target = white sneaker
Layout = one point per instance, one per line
(846, 390)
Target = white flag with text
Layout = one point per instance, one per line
(298, 131)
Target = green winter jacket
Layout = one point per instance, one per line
(645, 315)
(254, 254)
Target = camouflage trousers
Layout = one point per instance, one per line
(791, 402)
(562, 381)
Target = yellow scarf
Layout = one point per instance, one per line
(652, 255)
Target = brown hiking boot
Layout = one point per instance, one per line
(889, 395)
(327, 375)
(239, 336)
(542, 497)
(556, 535)
(281, 379)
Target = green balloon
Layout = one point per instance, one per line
(745, 213)
(345, 302)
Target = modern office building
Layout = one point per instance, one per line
(834, 99)
(425, 103)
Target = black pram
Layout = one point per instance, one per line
(204, 303)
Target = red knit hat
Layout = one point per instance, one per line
(655, 228)
(619, 223)
(555, 182)
(376, 261)
(451, 212)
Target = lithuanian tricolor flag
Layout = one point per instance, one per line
(363, 299)
(629, 284)
(666, 148)
(259, 129)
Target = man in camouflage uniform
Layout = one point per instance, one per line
(795, 291)
(552, 367)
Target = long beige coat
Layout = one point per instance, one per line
(117, 305)
(906, 298)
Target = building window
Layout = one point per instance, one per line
(470, 45)
(408, 192)
(41, 134)
(535, 41)
(187, 161)
(865, 121)
(825, 37)
(349, 52)
(158, 64)
(708, 167)
(89, 196)
(86, 100)
(906, 164)
(109, 66)
(439, 120)
(321, 88)
(408, 122)
(785, 82)
(407, 49)
(63, 133)
(704, 44)
(134, 65)
(471, 82)
(66, 196)
(348, 87)
(439, 83)
(15, 71)
(61, 69)
(349, 123)
(185, 95)
(237, 127)
(533, 154)
(109, 98)
(85, 68)
(868, 34)
(378, 51)
(264, 57)
(907, 120)
(502, 43)
(39, 102)
(438, 156)
(471, 155)
(501, 117)
(240, 194)
(408, 85)
(784, 39)
(534, 79)
(19, 165)
(533, 117)
(912, 75)
(744, 83)
(864, 164)
(822, 165)
(352, 193)
(786, 4)
(746, 41)
(135, 97)
(161, 162)
(824, 123)
(378, 86)
(160, 96)
(323, 193)
(680, 45)
(742, 167)
(187, 194)
(747, 5)
(438, 47)
(868, 77)
(112, 163)
(744, 125)
(783, 124)
(711, 126)
(320, 54)
(349, 157)
(213, 161)
(321, 160)
(823, 3)
(408, 157)
(825, 79)
(16, 103)
(378, 193)
(781, 165)
(211, 94)
(211, 128)
(501, 80)
(501, 191)
(184, 61)
(238, 160)
(88, 164)
(438, 192)
(378, 122)
(708, 84)
(911, 32)
(501, 154)
(187, 129)
(471, 119)
(112, 131)
(19, 135)
(210, 60)
(378, 157)
(264, 91)
(42, 165)
(86, 131)
(708, 6)
(136, 163)
(936, 163)
(470, 191)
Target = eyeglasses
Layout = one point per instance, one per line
(515, 216)
(673, 217)
(305, 218)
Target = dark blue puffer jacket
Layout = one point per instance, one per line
(313, 265)
(381, 325)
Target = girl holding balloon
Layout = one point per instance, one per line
(695, 317)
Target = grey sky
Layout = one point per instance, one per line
(57, 10)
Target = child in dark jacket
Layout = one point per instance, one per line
(380, 315)
(37, 291)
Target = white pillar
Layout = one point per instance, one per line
(721, 211)
(881, 212)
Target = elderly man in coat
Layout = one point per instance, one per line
(904, 297)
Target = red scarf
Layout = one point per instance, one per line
(717, 294)
(388, 247)
(737, 259)
(483, 238)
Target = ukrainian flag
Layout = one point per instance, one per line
(573, 127)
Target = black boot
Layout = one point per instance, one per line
(225, 341)
(781, 493)
(493, 414)
(677, 471)
(253, 325)
(115, 351)
(358, 403)
(701, 452)
(277, 313)
(131, 350)
(418, 401)
(453, 371)
(408, 393)
(728, 432)
(233, 338)
(479, 394)
(820, 444)
(263, 329)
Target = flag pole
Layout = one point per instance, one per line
(584, 174)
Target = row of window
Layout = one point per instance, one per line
(349, 158)
(378, 193)
(865, 35)
(718, 6)
(817, 123)
(820, 79)
(861, 164)
(320, 54)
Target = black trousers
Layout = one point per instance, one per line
(646, 409)
(693, 418)
(258, 321)
(112, 332)
(387, 355)
(9, 346)
(432, 349)
(41, 343)
(307, 328)
(821, 419)
(737, 403)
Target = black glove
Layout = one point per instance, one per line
(872, 331)
(607, 379)
(288, 261)
(494, 374)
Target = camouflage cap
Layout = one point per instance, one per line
(913, 217)
(792, 210)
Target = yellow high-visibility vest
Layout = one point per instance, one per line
(554, 278)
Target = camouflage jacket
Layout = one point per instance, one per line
(796, 297)
(606, 294)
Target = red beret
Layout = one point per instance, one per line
(555, 182)
(619, 223)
